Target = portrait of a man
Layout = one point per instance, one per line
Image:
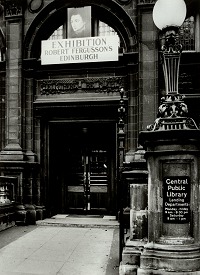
(79, 22)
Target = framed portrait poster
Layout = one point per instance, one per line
(79, 22)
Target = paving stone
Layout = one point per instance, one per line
(49, 250)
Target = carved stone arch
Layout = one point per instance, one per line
(39, 28)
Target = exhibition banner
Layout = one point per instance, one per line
(80, 50)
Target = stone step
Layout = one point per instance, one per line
(80, 221)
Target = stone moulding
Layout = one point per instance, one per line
(35, 6)
(108, 85)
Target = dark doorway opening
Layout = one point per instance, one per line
(82, 167)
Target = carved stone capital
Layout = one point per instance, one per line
(13, 7)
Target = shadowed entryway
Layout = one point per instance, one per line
(82, 167)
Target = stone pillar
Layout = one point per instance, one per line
(173, 245)
(18, 123)
(30, 190)
(136, 177)
(138, 210)
(29, 66)
(30, 156)
(39, 192)
(13, 16)
(148, 63)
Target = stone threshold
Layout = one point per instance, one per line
(90, 221)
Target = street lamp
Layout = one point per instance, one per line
(172, 155)
(168, 16)
(169, 13)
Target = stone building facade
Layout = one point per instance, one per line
(59, 121)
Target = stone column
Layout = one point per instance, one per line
(138, 210)
(30, 156)
(136, 177)
(148, 63)
(173, 199)
(13, 16)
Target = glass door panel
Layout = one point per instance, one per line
(90, 182)
(74, 179)
(98, 179)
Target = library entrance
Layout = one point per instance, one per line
(82, 167)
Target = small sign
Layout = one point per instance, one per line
(176, 199)
(80, 50)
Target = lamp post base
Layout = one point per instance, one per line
(163, 272)
(170, 259)
(173, 203)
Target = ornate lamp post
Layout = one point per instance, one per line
(172, 154)
(168, 16)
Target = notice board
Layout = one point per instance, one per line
(176, 199)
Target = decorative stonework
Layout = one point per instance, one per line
(13, 7)
(121, 112)
(35, 5)
(108, 85)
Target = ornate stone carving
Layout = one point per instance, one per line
(13, 7)
(121, 112)
(81, 85)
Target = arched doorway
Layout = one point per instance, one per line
(75, 112)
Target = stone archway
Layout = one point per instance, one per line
(46, 112)
(124, 25)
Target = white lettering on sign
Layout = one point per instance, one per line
(176, 199)
(88, 49)
(177, 181)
